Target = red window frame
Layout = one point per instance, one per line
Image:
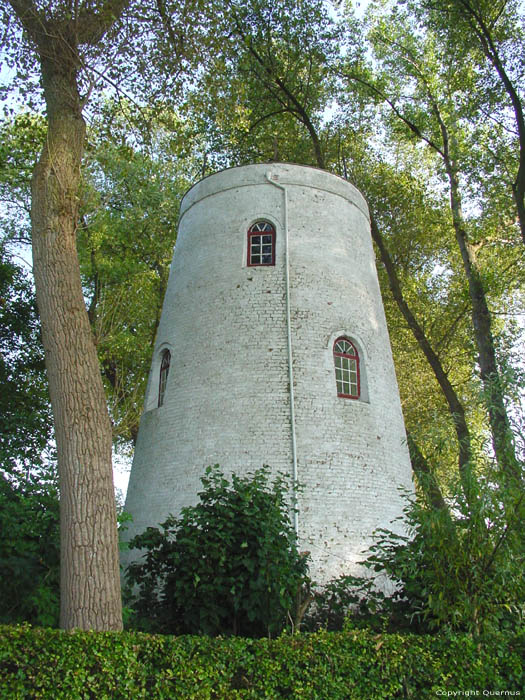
(163, 375)
(352, 355)
(255, 231)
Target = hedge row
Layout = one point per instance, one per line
(43, 663)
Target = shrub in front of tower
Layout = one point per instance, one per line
(457, 569)
(228, 565)
(347, 601)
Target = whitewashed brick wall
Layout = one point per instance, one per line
(227, 396)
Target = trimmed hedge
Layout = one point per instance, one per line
(354, 664)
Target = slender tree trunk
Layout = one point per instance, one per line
(291, 104)
(482, 321)
(90, 584)
(425, 476)
(455, 406)
(502, 438)
(484, 32)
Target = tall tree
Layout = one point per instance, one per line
(264, 94)
(494, 30)
(61, 35)
(400, 215)
(421, 90)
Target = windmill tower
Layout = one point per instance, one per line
(273, 349)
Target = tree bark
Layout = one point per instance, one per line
(502, 439)
(90, 577)
(455, 406)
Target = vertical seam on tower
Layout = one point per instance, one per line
(289, 348)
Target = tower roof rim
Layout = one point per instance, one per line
(313, 176)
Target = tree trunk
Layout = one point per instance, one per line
(90, 581)
(485, 35)
(502, 439)
(455, 406)
(425, 476)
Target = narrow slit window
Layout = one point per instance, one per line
(261, 244)
(163, 377)
(346, 362)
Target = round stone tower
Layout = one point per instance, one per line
(273, 349)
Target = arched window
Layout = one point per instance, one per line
(261, 244)
(346, 361)
(163, 377)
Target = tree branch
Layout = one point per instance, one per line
(456, 409)
(410, 124)
(91, 26)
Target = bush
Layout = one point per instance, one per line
(347, 600)
(228, 565)
(459, 569)
(29, 551)
(349, 665)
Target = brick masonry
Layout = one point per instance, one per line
(227, 399)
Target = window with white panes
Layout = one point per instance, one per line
(261, 244)
(346, 362)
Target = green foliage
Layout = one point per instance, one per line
(133, 183)
(21, 140)
(457, 570)
(268, 84)
(463, 569)
(228, 565)
(29, 547)
(29, 552)
(435, 107)
(347, 600)
(349, 665)
(25, 414)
